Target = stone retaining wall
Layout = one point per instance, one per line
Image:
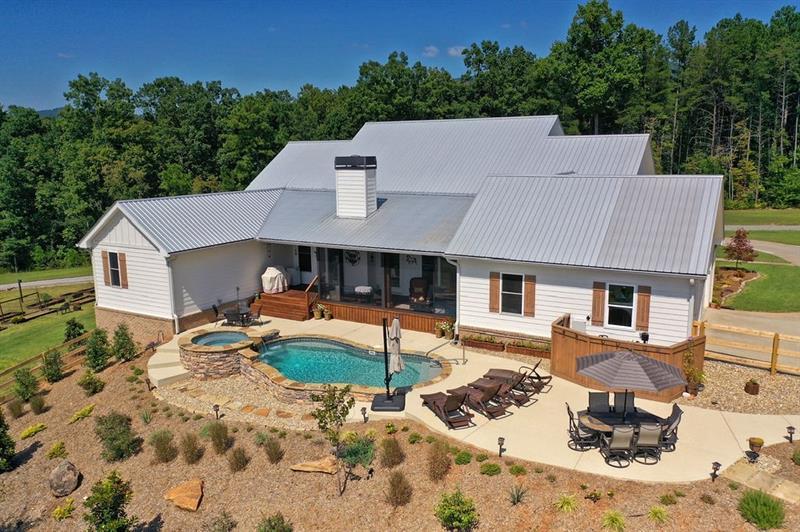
(211, 365)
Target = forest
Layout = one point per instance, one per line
(727, 102)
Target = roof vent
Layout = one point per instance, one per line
(356, 186)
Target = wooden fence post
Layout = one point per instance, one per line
(703, 328)
(773, 365)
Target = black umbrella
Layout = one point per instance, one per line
(629, 370)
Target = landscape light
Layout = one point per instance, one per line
(364, 413)
(500, 441)
(216, 411)
(715, 466)
(790, 431)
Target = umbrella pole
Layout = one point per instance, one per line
(388, 377)
(624, 405)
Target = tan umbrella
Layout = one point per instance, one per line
(396, 363)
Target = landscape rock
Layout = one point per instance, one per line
(187, 495)
(327, 465)
(64, 479)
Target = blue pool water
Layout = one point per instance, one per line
(220, 338)
(325, 361)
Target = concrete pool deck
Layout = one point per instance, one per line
(538, 431)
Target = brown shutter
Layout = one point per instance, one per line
(529, 296)
(643, 308)
(494, 291)
(106, 271)
(123, 270)
(598, 303)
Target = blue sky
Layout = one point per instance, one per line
(281, 45)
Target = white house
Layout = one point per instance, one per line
(499, 224)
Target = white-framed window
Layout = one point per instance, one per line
(113, 269)
(620, 305)
(511, 293)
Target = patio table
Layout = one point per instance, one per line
(605, 422)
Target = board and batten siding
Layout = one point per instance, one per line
(209, 276)
(148, 278)
(569, 290)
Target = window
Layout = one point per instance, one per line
(113, 269)
(620, 305)
(304, 258)
(511, 293)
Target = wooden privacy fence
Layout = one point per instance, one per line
(568, 344)
(750, 347)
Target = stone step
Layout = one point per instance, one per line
(164, 359)
(169, 375)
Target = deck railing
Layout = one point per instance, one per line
(311, 297)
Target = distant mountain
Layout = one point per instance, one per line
(49, 113)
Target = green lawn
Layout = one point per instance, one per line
(763, 217)
(40, 275)
(782, 237)
(776, 290)
(762, 256)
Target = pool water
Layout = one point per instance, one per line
(326, 361)
(219, 338)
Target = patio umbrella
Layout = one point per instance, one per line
(396, 363)
(629, 370)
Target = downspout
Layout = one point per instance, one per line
(458, 293)
(175, 322)
(692, 290)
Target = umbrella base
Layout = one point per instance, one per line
(395, 403)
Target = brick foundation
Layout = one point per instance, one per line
(145, 329)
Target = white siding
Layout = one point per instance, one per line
(210, 276)
(356, 195)
(148, 284)
(569, 290)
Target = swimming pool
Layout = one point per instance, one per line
(219, 338)
(324, 361)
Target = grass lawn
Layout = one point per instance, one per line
(777, 290)
(782, 237)
(40, 275)
(762, 256)
(763, 217)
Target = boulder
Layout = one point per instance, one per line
(64, 479)
(186, 495)
(327, 465)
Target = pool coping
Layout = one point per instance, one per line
(273, 374)
(253, 337)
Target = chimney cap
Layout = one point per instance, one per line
(355, 161)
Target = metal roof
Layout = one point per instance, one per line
(307, 163)
(403, 222)
(181, 223)
(645, 223)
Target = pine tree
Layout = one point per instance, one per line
(123, 348)
(7, 447)
(97, 351)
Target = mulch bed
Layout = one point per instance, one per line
(729, 281)
(783, 452)
(310, 500)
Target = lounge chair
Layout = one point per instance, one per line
(511, 390)
(618, 449)
(531, 383)
(669, 436)
(233, 317)
(621, 403)
(487, 401)
(648, 444)
(580, 439)
(451, 409)
(598, 403)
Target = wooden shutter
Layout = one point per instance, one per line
(643, 308)
(529, 296)
(494, 291)
(123, 270)
(106, 271)
(598, 303)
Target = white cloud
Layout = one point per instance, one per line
(455, 51)
(430, 51)
(65, 55)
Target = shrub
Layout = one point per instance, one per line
(274, 523)
(761, 509)
(796, 456)
(463, 458)
(7, 446)
(658, 515)
(516, 494)
(438, 461)
(668, 499)
(37, 404)
(106, 505)
(97, 350)
(146, 416)
(118, 439)
(25, 384)
(456, 512)
(708, 499)
(15, 407)
(52, 366)
(91, 384)
(65, 510)
(679, 493)
(391, 453)
(566, 503)
(390, 428)
(123, 347)
(238, 459)
(222, 523)
(733, 485)
(72, 329)
(538, 470)
(551, 478)
(191, 450)
(517, 470)
(58, 450)
(31, 431)
(361, 451)
(84, 412)
(430, 438)
(271, 446)
(490, 469)
(400, 490)
(165, 451)
(613, 520)
(218, 432)
(414, 437)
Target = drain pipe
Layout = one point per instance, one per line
(458, 293)
(175, 321)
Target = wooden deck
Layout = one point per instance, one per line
(414, 321)
(292, 304)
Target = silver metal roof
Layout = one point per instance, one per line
(181, 223)
(403, 222)
(305, 163)
(645, 223)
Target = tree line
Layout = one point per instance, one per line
(724, 103)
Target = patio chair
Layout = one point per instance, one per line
(450, 408)
(648, 444)
(418, 292)
(580, 438)
(669, 436)
(598, 403)
(215, 310)
(620, 403)
(233, 317)
(487, 401)
(617, 450)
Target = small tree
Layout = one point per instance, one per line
(73, 329)
(7, 446)
(739, 247)
(97, 351)
(123, 348)
(25, 384)
(106, 505)
(456, 512)
(52, 366)
(331, 414)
